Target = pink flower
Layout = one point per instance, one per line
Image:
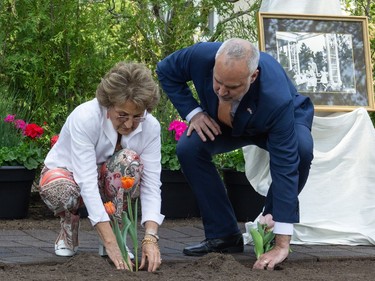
(179, 127)
(9, 118)
(20, 124)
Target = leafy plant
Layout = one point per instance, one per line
(230, 160)
(262, 239)
(55, 52)
(24, 146)
(169, 158)
(8, 135)
(233, 160)
(128, 222)
(24, 154)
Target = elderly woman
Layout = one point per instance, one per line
(112, 136)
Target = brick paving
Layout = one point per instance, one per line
(35, 246)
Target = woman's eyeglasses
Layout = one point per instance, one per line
(126, 118)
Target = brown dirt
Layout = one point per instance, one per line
(211, 267)
(90, 266)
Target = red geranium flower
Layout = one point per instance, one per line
(33, 131)
(54, 140)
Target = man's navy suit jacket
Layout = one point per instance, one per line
(267, 113)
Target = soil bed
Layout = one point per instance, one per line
(210, 267)
(90, 266)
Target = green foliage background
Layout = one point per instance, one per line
(365, 8)
(53, 53)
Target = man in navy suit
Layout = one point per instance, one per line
(245, 98)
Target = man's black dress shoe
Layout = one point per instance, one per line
(229, 244)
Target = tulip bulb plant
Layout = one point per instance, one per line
(263, 239)
(128, 222)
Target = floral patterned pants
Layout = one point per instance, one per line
(61, 193)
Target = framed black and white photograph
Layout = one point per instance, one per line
(326, 57)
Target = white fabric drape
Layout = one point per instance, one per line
(337, 205)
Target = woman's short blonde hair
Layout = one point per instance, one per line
(128, 82)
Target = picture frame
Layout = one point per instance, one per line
(326, 57)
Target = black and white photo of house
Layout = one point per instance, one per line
(318, 62)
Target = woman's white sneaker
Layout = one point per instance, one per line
(63, 251)
(103, 252)
(130, 254)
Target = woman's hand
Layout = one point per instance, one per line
(150, 253)
(110, 243)
(150, 247)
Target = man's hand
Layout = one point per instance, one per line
(275, 256)
(204, 125)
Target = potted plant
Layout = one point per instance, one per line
(169, 160)
(19, 145)
(246, 202)
(21, 153)
(178, 200)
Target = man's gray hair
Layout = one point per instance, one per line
(236, 48)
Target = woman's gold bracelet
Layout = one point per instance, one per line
(153, 235)
(149, 241)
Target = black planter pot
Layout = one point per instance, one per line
(178, 200)
(15, 190)
(246, 202)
